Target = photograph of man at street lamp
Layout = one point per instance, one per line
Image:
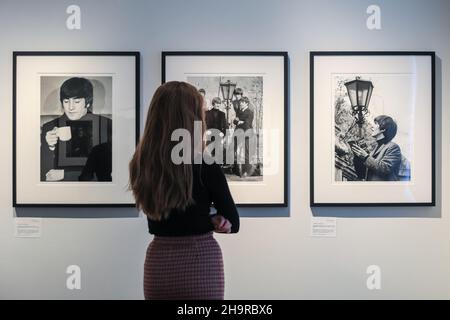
(234, 104)
(373, 140)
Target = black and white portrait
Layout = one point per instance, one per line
(372, 140)
(245, 131)
(76, 128)
(234, 104)
(373, 127)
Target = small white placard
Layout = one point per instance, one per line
(27, 227)
(323, 227)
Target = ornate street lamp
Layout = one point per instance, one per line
(359, 93)
(227, 89)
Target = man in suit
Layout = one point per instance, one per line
(237, 94)
(382, 163)
(244, 115)
(88, 130)
(244, 121)
(215, 118)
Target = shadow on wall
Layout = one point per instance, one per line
(403, 212)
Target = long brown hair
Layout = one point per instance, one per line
(159, 185)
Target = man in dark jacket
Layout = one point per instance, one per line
(382, 163)
(237, 94)
(215, 118)
(244, 121)
(244, 115)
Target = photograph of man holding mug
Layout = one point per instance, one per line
(76, 146)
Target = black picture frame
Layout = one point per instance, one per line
(16, 54)
(432, 55)
(285, 56)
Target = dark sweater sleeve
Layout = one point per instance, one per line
(221, 196)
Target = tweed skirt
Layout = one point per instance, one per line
(184, 268)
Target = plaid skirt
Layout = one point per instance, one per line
(184, 268)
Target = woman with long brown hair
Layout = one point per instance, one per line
(183, 260)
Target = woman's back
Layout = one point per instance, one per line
(209, 186)
(183, 260)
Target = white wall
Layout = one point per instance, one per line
(271, 257)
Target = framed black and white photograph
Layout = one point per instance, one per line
(243, 92)
(76, 124)
(372, 129)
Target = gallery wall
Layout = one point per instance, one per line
(273, 256)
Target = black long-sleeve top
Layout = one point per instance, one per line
(209, 186)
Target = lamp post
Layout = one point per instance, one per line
(227, 89)
(359, 93)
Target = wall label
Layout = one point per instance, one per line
(27, 227)
(323, 227)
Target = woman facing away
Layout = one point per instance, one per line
(183, 260)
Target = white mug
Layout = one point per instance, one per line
(54, 175)
(64, 133)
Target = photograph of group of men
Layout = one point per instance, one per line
(235, 119)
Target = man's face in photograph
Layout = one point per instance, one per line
(75, 108)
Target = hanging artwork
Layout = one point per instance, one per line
(245, 102)
(372, 130)
(73, 114)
